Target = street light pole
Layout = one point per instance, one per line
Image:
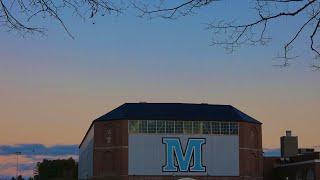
(17, 169)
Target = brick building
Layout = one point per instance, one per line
(172, 141)
(294, 163)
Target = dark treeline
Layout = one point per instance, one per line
(59, 169)
(21, 178)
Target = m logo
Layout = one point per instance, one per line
(189, 160)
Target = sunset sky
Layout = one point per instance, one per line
(52, 87)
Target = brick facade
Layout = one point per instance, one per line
(250, 150)
(110, 156)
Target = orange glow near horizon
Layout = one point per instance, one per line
(64, 120)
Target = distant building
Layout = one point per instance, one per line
(294, 163)
(172, 141)
(289, 145)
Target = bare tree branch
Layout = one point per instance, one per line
(20, 15)
(16, 15)
(231, 36)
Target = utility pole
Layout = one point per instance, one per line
(17, 169)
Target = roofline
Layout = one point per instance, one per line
(120, 119)
(205, 104)
(300, 163)
(254, 121)
(97, 119)
(86, 133)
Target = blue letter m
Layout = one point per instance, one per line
(189, 160)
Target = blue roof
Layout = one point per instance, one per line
(177, 111)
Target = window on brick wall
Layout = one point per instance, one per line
(143, 126)
(216, 127)
(183, 127)
(161, 126)
(170, 127)
(225, 128)
(187, 127)
(178, 127)
(206, 126)
(152, 126)
(134, 126)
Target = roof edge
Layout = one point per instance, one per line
(84, 137)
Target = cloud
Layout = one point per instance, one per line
(39, 149)
(30, 155)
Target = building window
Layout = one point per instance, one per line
(197, 127)
(234, 128)
(134, 126)
(215, 127)
(183, 127)
(187, 127)
(161, 126)
(206, 126)
(178, 127)
(170, 127)
(225, 128)
(152, 126)
(143, 126)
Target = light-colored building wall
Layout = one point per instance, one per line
(220, 154)
(85, 169)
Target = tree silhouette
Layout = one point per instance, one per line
(61, 168)
(18, 178)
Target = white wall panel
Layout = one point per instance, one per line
(85, 168)
(147, 154)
